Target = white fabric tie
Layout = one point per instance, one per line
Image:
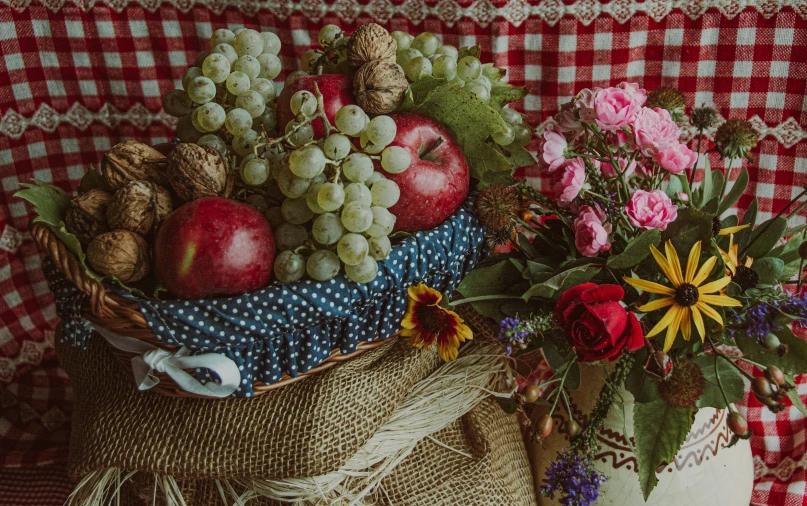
(151, 359)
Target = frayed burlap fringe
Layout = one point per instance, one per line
(434, 403)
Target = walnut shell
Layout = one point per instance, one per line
(120, 253)
(133, 161)
(86, 217)
(140, 207)
(379, 86)
(198, 171)
(370, 42)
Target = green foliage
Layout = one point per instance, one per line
(740, 185)
(793, 395)
(636, 250)
(731, 380)
(794, 362)
(691, 226)
(559, 283)
(749, 218)
(558, 357)
(765, 237)
(638, 383)
(500, 278)
(768, 269)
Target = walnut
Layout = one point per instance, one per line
(379, 86)
(370, 42)
(140, 207)
(133, 161)
(120, 253)
(86, 217)
(198, 171)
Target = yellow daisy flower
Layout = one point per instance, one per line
(427, 322)
(688, 299)
(732, 258)
(732, 230)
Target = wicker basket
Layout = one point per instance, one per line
(113, 312)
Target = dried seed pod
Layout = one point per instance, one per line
(120, 253)
(379, 86)
(198, 171)
(370, 42)
(531, 393)
(775, 375)
(737, 423)
(133, 161)
(140, 207)
(544, 426)
(571, 428)
(762, 387)
(86, 217)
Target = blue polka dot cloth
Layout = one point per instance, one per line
(291, 328)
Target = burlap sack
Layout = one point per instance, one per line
(309, 428)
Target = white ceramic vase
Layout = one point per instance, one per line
(704, 473)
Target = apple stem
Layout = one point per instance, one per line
(431, 148)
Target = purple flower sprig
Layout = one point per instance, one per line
(574, 478)
(514, 333)
(760, 319)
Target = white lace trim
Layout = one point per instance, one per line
(783, 471)
(14, 124)
(482, 12)
(788, 132)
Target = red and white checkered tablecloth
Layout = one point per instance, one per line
(78, 76)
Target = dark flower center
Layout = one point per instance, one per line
(746, 277)
(686, 295)
(431, 318)
(716, 226)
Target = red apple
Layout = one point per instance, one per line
(336, 89)
(214, 246)
(436, 183)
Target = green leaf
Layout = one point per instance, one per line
(704, 192)
(731, 380)
(92, 180)
(793, 395)
(419, 91)
(496, 279)
(794, 362)
(740, 185)
(518, 156)
(501, 93)
(557, 357)
(636, 250)
(559, 283)
(537, 272)
(749, 218)
(508, 404)
(691, 226)
(660, 430)
(761, 243)
(768, 269)
(638, 383)
(674, 187)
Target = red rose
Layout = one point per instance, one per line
(595, 323)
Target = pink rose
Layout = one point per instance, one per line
(676, 158)
(621, 138)
(682, 196)
(591, 231)
(639, 94)
(552, 149)
(615, 108)
(569, 181)
(652, 209)
(627, 170)
(654, 130)
(584, 101)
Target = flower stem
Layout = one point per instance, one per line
(765, 228)
(726, 179)
(481, 298)
(695, 168)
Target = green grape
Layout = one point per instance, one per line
(336, 146)
(309, 59)
(237, 83)
(379, 247)
(271, 43)
(511, 116)
(258, 202)
(249, 65)
(252, 102)
(395, 159)
(363, 272)
(213, 141)
(294, 75)
(504, 138)
(385, 193)
(350, 120)
(404, 56)
(270, 66)
(248, 42)
(469, 68)
(289, 267)
(458, 81)
(291, 185)
(323, 265)
(417, 66)
(448, 50)
(444, 67)
(381, 130)
(200, 59)
(246, 143)
(246, 159)
(238, 30)
(383, 222)
(311, 197)
(484, 81)
(522, 134)
(357, 167)
(356, 217)
(185, 130)
(189, 75)
(265, 87)
(303, 102)
(222, 35)
(331, 196)
(296, 211)
(255, 172)
(238, 121)
(307, 162)
(177, 103)
(367, 146)
(210, 116)
(374, 178)
(327, 229)
(302, 135)
(358, 192)
(267, 120)
(274, 216)
(289, 236)
(477, 89)
(195, 120)
(201, 90)
(352, 248)
(403, 39)
(216, 67)
(427, 43)
(227, 51)
(328, 34)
